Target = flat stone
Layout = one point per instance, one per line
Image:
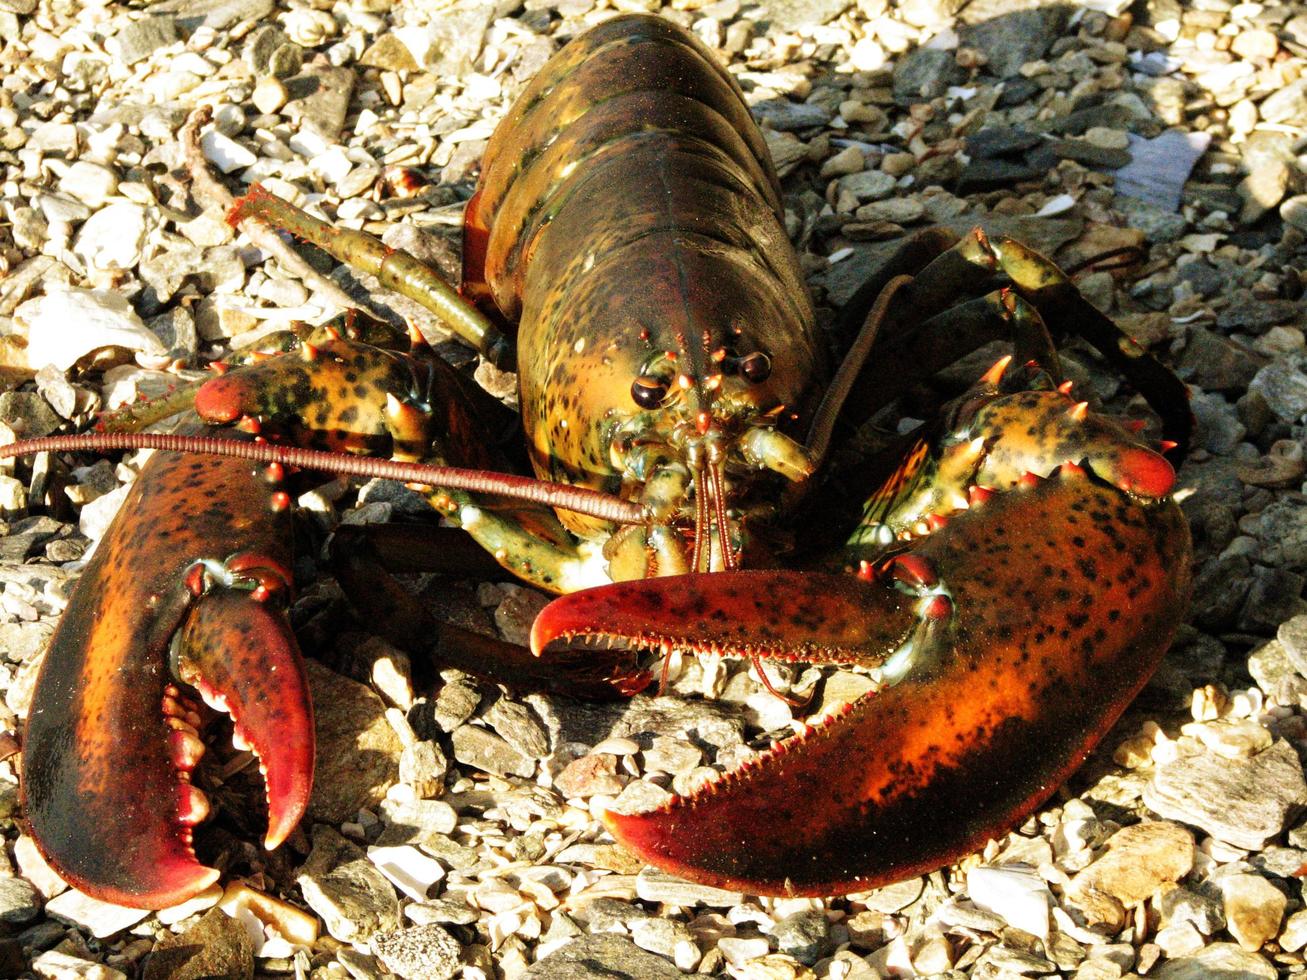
(54, 965)
(657, 886)
(20, 902)
(113, 237)
(216, 946)
(141, 38)
(1159, 167)
(1139, 859)
(1216, 363)
(426, 952)
(67, 323)
(388, 52)
(1278, 673)
(785, 116)
(346, 890)
(1283, 385)
(101, 919)
(1245, 802)
(925, 74)
(1019, 895)
(1224, 960)
(481, 749)
(791, 15)
(319, 98)
(89, 183)
(1288, 105)
(358, 750)
(1011, 34)
(603, 957)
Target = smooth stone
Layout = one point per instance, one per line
(67, 323)
(113, 237)
(101, 919)
(1254, 909)
(89, 183)
(1159, 167)
(785, 116)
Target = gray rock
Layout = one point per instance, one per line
(484, 750)
(1218, 428)
(1082, 151)
(925, 74)
(1009, 35)
(804, 935)
(519, 727)
(456, 38)
(1279, 673)
(1247, 314)
(785, 116)
(425, 952)
(441, 910)
(26, 412)
(358, 750)
(999, 141)
(1158, 169)
(1283, 386)
(1215, 363)
(1276, 595)
(868, 185)
(792, 14)
(260, 44)
(1224, 960)
(604, 957)
(19, 901)
(346, 890)
(319, 98)
(1245, 802)
(1281, 527)
(455, 703)
(1292, 634)
(141, 38)
(987, 175)
(216, 946)
(1158, 225)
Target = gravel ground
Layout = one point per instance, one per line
(453, 832)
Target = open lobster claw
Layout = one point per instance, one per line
(113, 733)
(1010, 642)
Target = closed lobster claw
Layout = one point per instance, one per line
(189, 581)
(1010, 639)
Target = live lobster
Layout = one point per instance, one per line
(1016, 576)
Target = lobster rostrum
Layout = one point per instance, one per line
(625, 246)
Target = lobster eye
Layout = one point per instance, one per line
(648, 392)
(756, 367)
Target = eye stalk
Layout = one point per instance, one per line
(648, 392)
(755, 368)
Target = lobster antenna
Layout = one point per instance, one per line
(591, 503)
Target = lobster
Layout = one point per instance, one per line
(626, 245)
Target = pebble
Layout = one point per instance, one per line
(113, 238)
(346, 890)
(1245, 802)
(100, 919)
(54, 965)
(1225, 960)
(1018, 895)
(411, 871)
(68, 323)
(1254, 909)
(602, 958)
(425, 952)
(215, 946)
(358, 750)
(89, 183)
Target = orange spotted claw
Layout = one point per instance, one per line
(1011, 640)
(158, 622)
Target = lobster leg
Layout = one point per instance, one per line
(990, 703)
(346, 396)
(112, 738)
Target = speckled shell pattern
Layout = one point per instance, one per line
(100, 790)
(628, 210)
